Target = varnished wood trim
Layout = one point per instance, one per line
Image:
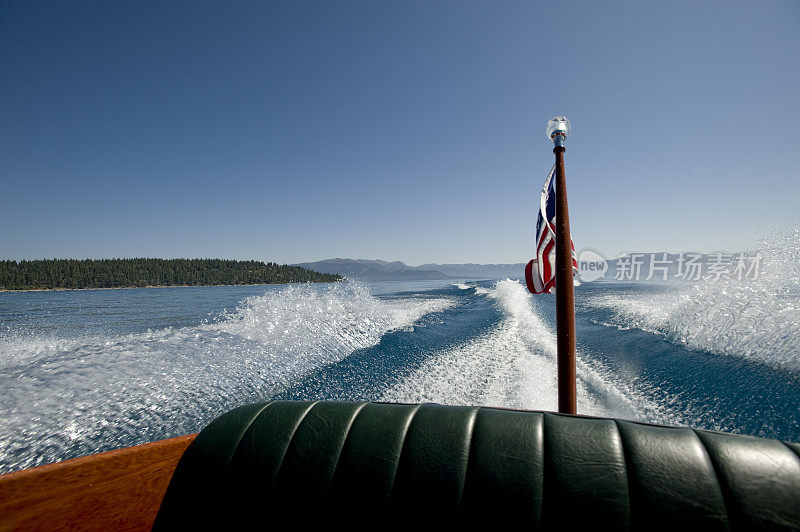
(115, 490)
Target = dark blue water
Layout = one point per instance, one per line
(86, 371)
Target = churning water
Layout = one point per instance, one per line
(87, 371)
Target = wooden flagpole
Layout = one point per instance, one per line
(565, 294)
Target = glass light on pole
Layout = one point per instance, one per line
(558, 129)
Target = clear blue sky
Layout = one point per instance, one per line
(294, 131)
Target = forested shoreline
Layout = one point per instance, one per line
(53, 274)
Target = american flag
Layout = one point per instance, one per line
(540, 273)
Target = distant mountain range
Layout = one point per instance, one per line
(636, 267)
(479, 271)
(380, 270)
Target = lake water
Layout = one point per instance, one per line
(88, 371)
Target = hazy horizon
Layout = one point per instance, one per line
(394, 260)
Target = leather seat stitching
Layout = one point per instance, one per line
(723, 485)
(474, 417)
(291, 438)
(353, 417)
(628, 473)
(247, 429)
(241, 436)
(795, 451)
(546, 439)
(403, 447)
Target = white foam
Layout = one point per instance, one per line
(514, 366)
(61, 392)
(757, 319)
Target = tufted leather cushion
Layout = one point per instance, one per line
(398, 466)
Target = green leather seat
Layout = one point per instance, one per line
(399, 466)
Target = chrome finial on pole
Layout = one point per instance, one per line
(557, 129)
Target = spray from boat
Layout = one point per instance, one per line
(755, 319)
(67, 396)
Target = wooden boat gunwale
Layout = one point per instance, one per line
(122, 488)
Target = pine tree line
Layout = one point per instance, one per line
(117, 273)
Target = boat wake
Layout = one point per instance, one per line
(70, 396)
(756, 319)
(514, 366)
